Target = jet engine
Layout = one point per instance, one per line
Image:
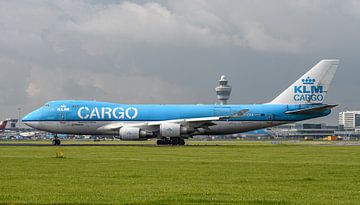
(174, 130)
(131, 133)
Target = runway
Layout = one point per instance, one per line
(99, 145)
(351, 143)
(72, 145)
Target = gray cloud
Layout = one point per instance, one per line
(171, 51)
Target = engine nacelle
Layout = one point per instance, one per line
(131, 133)
(174, 130)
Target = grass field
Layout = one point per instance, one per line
(237, 173)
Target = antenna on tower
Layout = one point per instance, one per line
(223, 91)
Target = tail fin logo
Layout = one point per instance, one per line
(311, 87)
(308, 91)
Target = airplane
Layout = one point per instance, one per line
(171, 124)
(3, 124)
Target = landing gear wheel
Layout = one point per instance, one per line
(163, 141)
(175, 141)
(160, 142)
(182, 142)
(56, 142)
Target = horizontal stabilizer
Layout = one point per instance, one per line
(311, 110)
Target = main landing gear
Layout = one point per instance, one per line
(56, 141)
(172, 141)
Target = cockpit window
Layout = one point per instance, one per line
(46, 105)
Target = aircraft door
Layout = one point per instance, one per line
(62, 125)
(62, 116)
(271, 117)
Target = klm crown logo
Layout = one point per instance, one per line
(63, 108)
(308, 81)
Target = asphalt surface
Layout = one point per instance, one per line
(70, 145)
(142, 145)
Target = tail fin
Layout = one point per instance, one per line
(312, 87)
(3, 124)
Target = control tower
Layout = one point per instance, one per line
(223, 91)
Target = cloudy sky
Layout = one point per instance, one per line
(172, 51)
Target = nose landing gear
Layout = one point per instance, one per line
(56, 141)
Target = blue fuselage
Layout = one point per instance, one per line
(89, 117)
(102, 111)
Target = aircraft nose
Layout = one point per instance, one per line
(28, 117)
(31, 117)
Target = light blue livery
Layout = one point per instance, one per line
(172, 123)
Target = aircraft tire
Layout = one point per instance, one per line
(162, 142)
(56, 142)
(159, 142)
(175, 141)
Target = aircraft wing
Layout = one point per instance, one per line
(193, 122)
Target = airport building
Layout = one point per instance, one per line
(303, 131)
(349, 119)
(13, 123)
